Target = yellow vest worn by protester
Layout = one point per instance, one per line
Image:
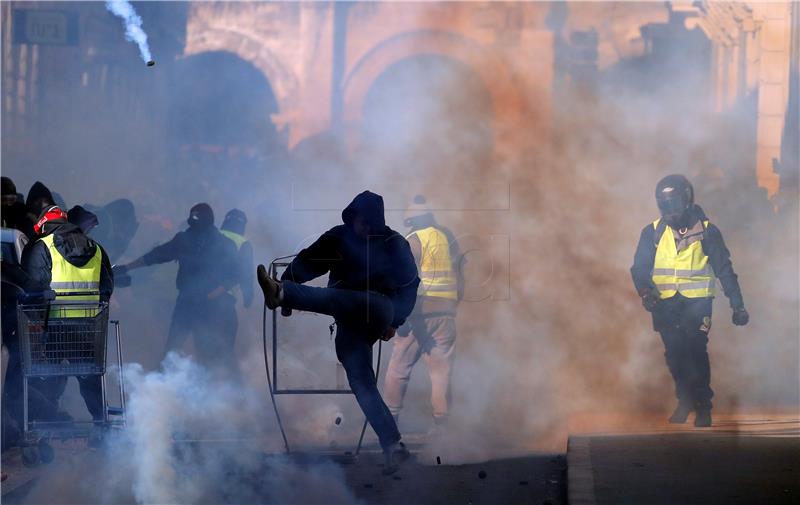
(68, 278)
(680, 264)
(435, 265)
(239, 240)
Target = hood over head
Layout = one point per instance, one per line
(39, 198)
(8, 186)
(201, 216)
(82, 218)
(235, 221)
(369, 205)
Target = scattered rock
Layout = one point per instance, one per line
(523, 483)
(481, 474)
(368, 486)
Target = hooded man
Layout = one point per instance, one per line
(233, 227)
(430, 332)
(372, 287)
(677, 262)
(13, 213)
(61, 255)
(206, 272)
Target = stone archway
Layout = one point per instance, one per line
(283, 81)
(505, 96)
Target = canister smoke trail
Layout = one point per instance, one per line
(133, 27)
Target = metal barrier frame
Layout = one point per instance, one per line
(272, 381)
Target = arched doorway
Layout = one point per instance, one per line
(428, 114)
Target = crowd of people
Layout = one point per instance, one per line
(64, 246)
(381, 285)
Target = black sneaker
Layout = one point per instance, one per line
(393, 456)
(270, 287)
(702, 419)
(680, 415)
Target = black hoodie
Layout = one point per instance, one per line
(383, 263)
(74, 246)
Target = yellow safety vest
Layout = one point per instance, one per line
(68, 278)
(239, 240)
(686, 271)
(435, 265)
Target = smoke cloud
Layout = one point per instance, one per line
(133, 26)
(545, 176)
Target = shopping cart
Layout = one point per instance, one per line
(64, 337)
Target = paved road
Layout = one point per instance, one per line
(82, 476)
(741, 460)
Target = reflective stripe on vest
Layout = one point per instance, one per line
(435, 264)
(239, 240)
(66, 277)
(687, 271)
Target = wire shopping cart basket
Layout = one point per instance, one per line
(60, 338)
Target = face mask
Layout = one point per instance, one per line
(193, 221)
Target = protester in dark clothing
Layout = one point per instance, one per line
(78, 250)
(372, 287)
(677, 262)
(206, 272)
(116, 226)
(39, 198)
(233, 227)
(13, 210)
(82, 218)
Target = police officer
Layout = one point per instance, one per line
(677, 262)
(63, 259)
(206, 272)
(233, 227)
(430, 331)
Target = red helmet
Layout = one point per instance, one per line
(49, 214)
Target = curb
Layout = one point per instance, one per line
(580, 475)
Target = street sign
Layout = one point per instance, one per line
(45, 27)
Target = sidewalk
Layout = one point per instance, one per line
(741, 460)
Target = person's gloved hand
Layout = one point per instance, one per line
(740, 316)
(121, 277)
(650, 298)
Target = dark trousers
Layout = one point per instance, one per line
(212, 323)
(91, 390)
(684, 324)
(361, 317)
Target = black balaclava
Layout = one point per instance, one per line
(235, 221)
(201, 217)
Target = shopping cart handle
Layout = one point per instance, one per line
(37, 296)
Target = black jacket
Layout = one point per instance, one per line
(76, 248)
(206, 260)
(383, 263)
(713, 245)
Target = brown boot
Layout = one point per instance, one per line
(270, 287)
